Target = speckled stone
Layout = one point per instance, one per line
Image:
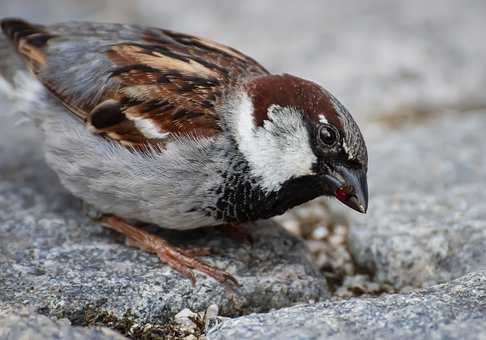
(31, 326)
(426, 221)
(450, 311)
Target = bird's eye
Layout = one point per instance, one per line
(327, 135)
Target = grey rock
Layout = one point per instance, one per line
(431, 157)
(449, 311)
(59, 263)
(32, 326)
(426, 222)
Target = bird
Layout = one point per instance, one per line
(149, 125)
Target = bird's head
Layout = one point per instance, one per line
(289, 128)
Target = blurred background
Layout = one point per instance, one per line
(375, 55)
(408, 71)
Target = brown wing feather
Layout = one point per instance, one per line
(133, 84)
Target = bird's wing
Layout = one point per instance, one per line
(133, 84)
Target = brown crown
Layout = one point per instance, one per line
(289, 91)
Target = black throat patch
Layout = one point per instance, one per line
(242, 199)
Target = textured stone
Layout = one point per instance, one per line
(57, 262)
(32, 326)
(455, 310)
(426, 222)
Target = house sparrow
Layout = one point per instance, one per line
(150, 125)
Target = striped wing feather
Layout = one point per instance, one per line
(133, 84)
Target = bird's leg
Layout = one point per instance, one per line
(197, 251)
(238, 233)
(190, 252)
(178, 259)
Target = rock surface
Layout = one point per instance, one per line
(57, 262)
(32, 326)
(450, 311)
(427, 216)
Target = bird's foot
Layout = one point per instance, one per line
(179, 259)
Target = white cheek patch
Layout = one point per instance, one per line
(279, 150)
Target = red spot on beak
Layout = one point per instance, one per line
(342, 194)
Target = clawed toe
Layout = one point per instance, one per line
(179, 259)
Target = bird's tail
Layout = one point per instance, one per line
(10, 61)
(21, 94)
(18, 87)
(28, 39)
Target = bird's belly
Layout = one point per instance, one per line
(92, 187)
(117, 181)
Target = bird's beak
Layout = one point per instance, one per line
(350, 187)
